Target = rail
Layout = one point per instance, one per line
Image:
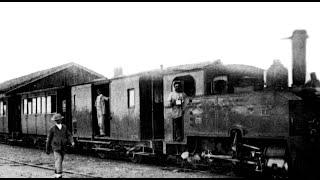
(48, 168)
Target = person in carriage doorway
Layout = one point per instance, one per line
(176, 100)
(101, 111)
(58, 138)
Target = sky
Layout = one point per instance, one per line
(141, 36)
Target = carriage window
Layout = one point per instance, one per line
(1, 108)
(34, 105)
(51, 104)
(4, 108)
(25, 106)
(29, 105)
(43, 103)
(38, 105)
(48, 104)
(130, 98)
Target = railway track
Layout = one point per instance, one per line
(48, 168)
(168, 166)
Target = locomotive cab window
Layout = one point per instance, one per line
(219, 85)
(245, 84)
(188, 84)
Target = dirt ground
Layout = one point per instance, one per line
(95, 166)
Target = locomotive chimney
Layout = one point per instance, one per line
(299, 57)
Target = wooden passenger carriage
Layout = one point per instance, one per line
(32, 99)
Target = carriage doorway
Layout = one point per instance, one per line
(104, 89)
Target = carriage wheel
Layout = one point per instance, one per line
(102, 154)
(135, 158)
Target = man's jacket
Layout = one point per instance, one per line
(58, 139)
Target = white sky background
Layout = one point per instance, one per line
(142, 36)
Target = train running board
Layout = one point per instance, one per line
(228, 158)
(103, 149)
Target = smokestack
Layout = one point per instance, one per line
(118, 72)
(299, 57)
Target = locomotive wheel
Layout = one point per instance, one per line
(238, 170)
(135, 158)
(219, 166)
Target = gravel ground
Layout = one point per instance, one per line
(105, 168)
(14, 170)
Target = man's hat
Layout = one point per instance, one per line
(56, 117)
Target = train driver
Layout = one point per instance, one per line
(313, 82)
(176, 100)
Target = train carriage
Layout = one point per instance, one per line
(134, 115)
(31, 100)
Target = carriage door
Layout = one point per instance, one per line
(14, 114)
(82, 110)
(151, 108)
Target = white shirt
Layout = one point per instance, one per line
(100, 103)
(178, 99)
(59, 126)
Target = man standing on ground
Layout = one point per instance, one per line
(58, 138)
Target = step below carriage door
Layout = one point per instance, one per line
(81, 102)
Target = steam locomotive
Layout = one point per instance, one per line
(233, 114)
